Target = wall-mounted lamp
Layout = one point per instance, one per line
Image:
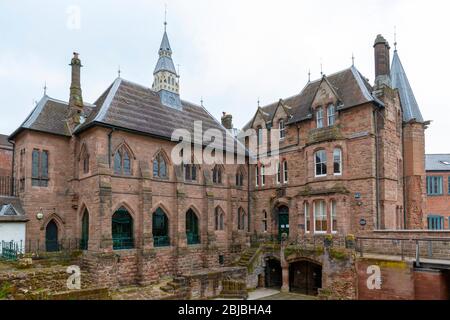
(40, 215)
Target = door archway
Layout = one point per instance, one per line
(273, 273)
(51, 237)
(305, 277)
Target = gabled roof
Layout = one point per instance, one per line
(11, 210)
(4, 143)
(400, 81)
(437, 162)
(349, 86)
(138, 108)
(49, 116)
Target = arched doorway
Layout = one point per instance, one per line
(160, 229)
(283, 221)
(192, 235)
(122, 230)
(51, 237)
(273, 273)
(84, 241)
(305, 277)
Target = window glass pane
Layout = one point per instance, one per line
(118, 163)
(333, 216)
(155, 168)
(321, 163)
(337, 161)
(285, 170)
(35, 164)
(44, 164)
(320, 216)
(331, 115)
(126, 163)
(319, 118)
(278, 172)
(194, 172)
(307, 218)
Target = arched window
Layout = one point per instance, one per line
(320, 162)
(319, 117)
(192, 234)
(282, 127)
(337, 162)
(159, 167)
(122, 162)
(242, 219)
(331, 115)
(218, 219)
(160, 229)
(239, 178)
(217, 175)
(122, 230)
(84, 242)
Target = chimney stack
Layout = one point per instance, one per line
(227, 121)
(382, 61)
(76, 98)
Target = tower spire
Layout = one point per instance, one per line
(165, 17)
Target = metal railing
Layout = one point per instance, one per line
(413, 248)
(11, 250)
(8, 186)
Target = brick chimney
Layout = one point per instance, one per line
(227, 121)
(382, 62)
(76, 98)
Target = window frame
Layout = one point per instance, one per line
(159, 160)
(340, 162)
(431, 185)
(307, 218)
(39, 177)
(285, 172)
(282, 129)
(263, 175)
(323, 215)
(319, 118)
(332, 107)
(333, 216)
(278, 174)
(323, 162)
(434, 219)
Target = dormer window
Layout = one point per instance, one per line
(331, 114)
(282, 127)
(319, 117)
(260, 136)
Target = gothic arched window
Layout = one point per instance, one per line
(217, 175)
(122, 162)
(160, 167)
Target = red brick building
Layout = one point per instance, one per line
(438, 191)
(101, 175)
(6, 152)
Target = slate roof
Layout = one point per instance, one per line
(4, 143)
(11, 210)
(49, 116)
(400, 81)
(138, 108)
(349, 85)
(165, 61)
(437, 162)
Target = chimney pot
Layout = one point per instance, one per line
(382, 61)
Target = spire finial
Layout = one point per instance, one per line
(353, 59)
(309, 75)
(45, 88)
(165, 17)
(395, 38)
(321, 67)
(258, 102)
(119, 71)
(201, 101)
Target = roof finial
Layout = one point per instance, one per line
(258, 102)
(309, 75)
(165, 17)
(395, 38)
(353, 59)
(45, 88)
(201, 101)
(119, 71)
(321, 67)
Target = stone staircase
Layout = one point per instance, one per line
(177, 288)
(246, 258)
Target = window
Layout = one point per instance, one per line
(260, 136)
(337, 162)
(263, 175)
(22, 171)
(190, 172)
(285, 172)
(217, 175)
(320, 217)
(333, 216)
(434, 185)
(159, 167)
(218, 219)
(39, 170)
(192, 234)
(282, 127)
(320, 163)
(160, 229)
(319, 117)
(122, 162)
(242, 219)
(435, 222)
(257, 175)
(86, 164)
(331, 114)
(239, 179)
(307, 218)
(448, 185)
(265, 222)
(278, 173)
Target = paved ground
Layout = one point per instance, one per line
(288, 296)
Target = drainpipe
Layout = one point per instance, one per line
(12, 167)
(109, 147)
(377, 148)
(248, 194)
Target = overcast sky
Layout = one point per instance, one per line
(230, 52)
